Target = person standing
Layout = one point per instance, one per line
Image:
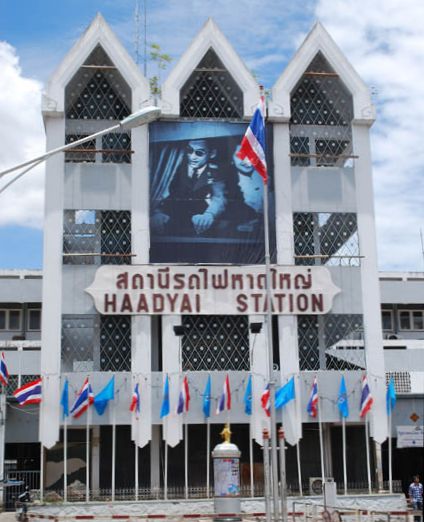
(415, 494)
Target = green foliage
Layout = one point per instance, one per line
(161, 61)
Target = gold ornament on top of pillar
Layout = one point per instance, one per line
(226, 434)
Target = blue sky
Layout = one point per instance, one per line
(382, 39)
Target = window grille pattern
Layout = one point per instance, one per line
(402, 381)
(321, 114)
(334, 236)
(96, 343)
(79, 334)
(211, 91)
(115, 343)
(97, 91)
(120, 144)
(97, 236)
(78, 155)
(12, 384)
(215, 343)
(330, 342)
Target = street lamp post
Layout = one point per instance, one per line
(141, 117)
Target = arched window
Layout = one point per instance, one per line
(211, 92)
(97, 92)
(321, 117)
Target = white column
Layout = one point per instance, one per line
(172, 425)
(155, 468)
(2, 440)
(52, 285)
(259, 367)
(287, 324)
(141, 362)
(95, 457)
(369, 282)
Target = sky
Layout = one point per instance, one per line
(383, 40)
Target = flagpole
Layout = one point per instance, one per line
(252, 487)
(390, 452)
(186, 460)
(208, 452)
(65, 459)
(274, 461)
(344, 455)
(367, 447)
(87, 457)
(299, 469)
(165, 491)
(113, 450)
(136, 470)
(321, 444)
(41, 472)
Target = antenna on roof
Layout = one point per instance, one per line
(137, 23)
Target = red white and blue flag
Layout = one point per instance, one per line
(253, 142)
(224, 402)
(4, 374)
(312, 406)
(366, 397)
(135, 400)
(29, 393)
(266, 400)
(84, 400)
(184, 398)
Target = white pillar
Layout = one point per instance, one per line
(52, 286)
(95, 457)
(369, 282)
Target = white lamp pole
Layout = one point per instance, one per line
(141, 117)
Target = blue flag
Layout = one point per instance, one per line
(284, 394)
(207, 398)
(64, 399)
(164, 411)
(391, 396)
(342, 403)
(102, 398)
(248, 397)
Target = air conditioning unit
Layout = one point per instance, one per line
(315, 485)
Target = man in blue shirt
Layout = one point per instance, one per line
(415, 494)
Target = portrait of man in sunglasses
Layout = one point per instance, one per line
(196, 193)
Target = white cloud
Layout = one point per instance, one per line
(21, 138)
(383, 41)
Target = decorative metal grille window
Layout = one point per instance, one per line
(330, 342)
(215, 343)
(97, 237)
(77, 155)
(97, 91)
(211, 91)
(326, 238)
(115, 343)
(322, 112)
(402, 381)
(120, 144)
(96, 343)
(12, 384)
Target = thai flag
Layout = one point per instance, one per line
(135, 401)
(253, 142)
(4, 374)
(29, 393)
(312, 406)
(366, 397)
(84, 400)
(266, 400)
(224, 402)
(184, 398)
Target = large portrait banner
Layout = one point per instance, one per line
(211, 290)
(206, 205)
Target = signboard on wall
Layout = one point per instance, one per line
(410, 436)
(206, 205)
(211, 290)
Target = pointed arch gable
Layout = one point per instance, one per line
(98, 34)
(209, 38)
(319, 41)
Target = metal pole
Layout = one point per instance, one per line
(390, 454)
(165, 489)
(136, 471)
(41, 472)
(87, 457)
(265, 434)
(299, 469)
(186, 460)
(321, 446)
(344, 455)
(274, 462)
(65, 459)
(208, 456)
(367, 447)
(283, 475)
(252, 486)
(113, 452)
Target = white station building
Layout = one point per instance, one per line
(154, 263)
